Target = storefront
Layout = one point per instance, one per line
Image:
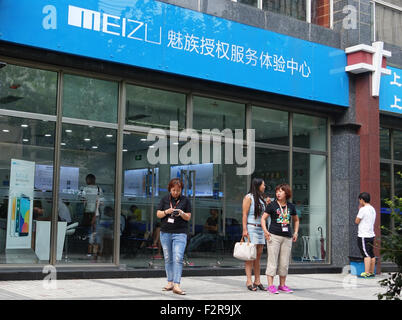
(390, 143)
(82, 102)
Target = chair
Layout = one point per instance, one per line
(70, 230)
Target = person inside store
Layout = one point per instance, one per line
(156, 242)
(135, 213)
(253, 207)
(280, 237)
(209, 233)
(174, 210)
(104, 233)
(39, 212)
(135, 227)
(92, 196)
(64, 211)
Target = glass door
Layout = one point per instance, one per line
(139, 243)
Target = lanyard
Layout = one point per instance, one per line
(170, 200)
(283, 212)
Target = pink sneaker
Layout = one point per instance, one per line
(285, 289)
(273, 290)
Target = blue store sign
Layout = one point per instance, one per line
(391, 91)
(159, 36)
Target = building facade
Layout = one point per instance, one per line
(104, 102)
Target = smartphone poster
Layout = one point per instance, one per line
(19, 222)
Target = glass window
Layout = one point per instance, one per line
(215, 191)
(310, 132)
(398, 180)
(149, 107)
(86, 195)
(310, 198)
(217, 114)
(272, 166)
(249, 2)
(90, 99)
(320, 12)
(271, 126)
(385, 185)
(25, 192)
(388, 22)
(385, 145)
(292, 8)
(397, 145)
(27, 89)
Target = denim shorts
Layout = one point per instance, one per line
(256, 234)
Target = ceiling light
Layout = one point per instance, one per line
(143, 139)
(63, 143)
(24, 125)
(94, 147)
(109, 135)
(48, 135)
(125, 150)
(6, 130)
(151, 147)
(25, 140)
(87, 139)
(69, 130)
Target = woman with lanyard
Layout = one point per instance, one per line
(253, 208)
(280, 237)
(174, 211)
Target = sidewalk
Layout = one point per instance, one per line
(305, 286)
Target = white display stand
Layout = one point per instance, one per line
(42, 240)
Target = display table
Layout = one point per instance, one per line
(42, 239)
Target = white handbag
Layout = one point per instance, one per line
(245, 251)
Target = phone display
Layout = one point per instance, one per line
(21, 209)
(25, 210)
(14, 213)
(176, 213)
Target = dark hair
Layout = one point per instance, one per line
(257, 195)
(285, 187)
(174, 182)
(365, 196)
(91, 178)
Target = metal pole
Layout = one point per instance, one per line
(194, 208)
(56, 170)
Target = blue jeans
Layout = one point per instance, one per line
(173, 245)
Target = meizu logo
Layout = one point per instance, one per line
(107, 23)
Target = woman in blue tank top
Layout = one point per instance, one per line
(253, 208)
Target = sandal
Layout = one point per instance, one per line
(259, 286)
(179, 291)
(167, 288)
(251, 287)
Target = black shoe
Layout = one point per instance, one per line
(259, 286)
